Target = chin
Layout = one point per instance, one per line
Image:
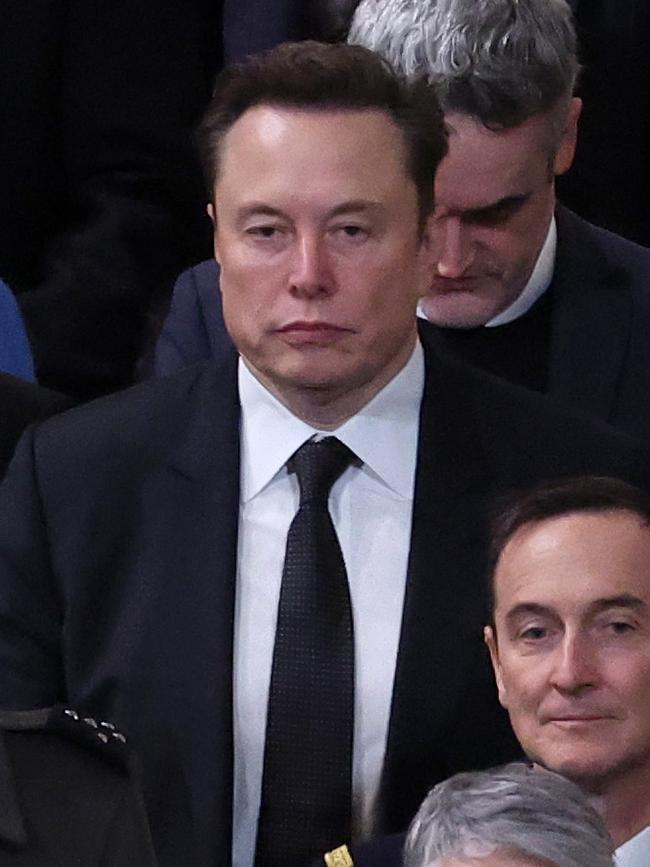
(586, 768)
(456, 313)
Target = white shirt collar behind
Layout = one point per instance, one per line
(538, 282)
(636, 852)
(386, 426)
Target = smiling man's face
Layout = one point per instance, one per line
(571, 646)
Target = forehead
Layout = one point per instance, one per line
(295, 146)
(574, 560)
(484, 165)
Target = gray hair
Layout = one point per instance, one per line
(501, 61)
(515, 807)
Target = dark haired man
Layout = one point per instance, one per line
(521, 288)
(570, 643)
(236, 563)
(570, 646)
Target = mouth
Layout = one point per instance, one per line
(459, 284)
(577, 720)
(316, 333)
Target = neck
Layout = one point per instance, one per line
(624, 805)
(327, 407)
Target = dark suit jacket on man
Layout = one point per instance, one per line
(600, 324)
(66, 794)
(118, 545)
(22, 403)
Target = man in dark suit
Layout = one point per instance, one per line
(22, 403)
(567, 305)
(546, 301)
(598, 357)
(68, 794)
(142, 538)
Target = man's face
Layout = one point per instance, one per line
(495, 196)
(571, 652)
(316, 232)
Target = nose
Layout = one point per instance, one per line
(310, 274)
(574, 669)
(456, 250)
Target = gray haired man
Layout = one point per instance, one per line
(520, 286)
(514, 816)
(511, 816)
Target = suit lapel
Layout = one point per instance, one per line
(591, 321)
(199, 487)
(444, 603)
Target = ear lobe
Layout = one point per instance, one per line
(491, 641)
(566, 150)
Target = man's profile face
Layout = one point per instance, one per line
(316, 232)
(495, 196)
(571, 651)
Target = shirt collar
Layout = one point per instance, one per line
(538, 282)
(386, 427)
(636, 852)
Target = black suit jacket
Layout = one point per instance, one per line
(22, 403)
(118, 541)
(66, 794)
(600, 327)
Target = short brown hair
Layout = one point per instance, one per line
(315, 75)
(552, 499)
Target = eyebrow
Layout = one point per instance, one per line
(353, 206)
(506, 203)
(527, 608)
(624, 600)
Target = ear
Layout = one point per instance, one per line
(490, 639)
(566, 150)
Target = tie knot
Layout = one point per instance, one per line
(318, 464)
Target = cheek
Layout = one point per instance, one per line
(524, 689)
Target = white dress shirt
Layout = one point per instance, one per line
(636, 852)
(538, 282)
(371, 507)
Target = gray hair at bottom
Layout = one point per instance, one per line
(516, 808)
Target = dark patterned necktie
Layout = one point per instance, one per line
(307, 780)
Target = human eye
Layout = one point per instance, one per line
(532, 633)
(355, 233)
(263, 231)
(618, 626)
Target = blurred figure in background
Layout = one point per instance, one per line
(15, 352)
(101, 201)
